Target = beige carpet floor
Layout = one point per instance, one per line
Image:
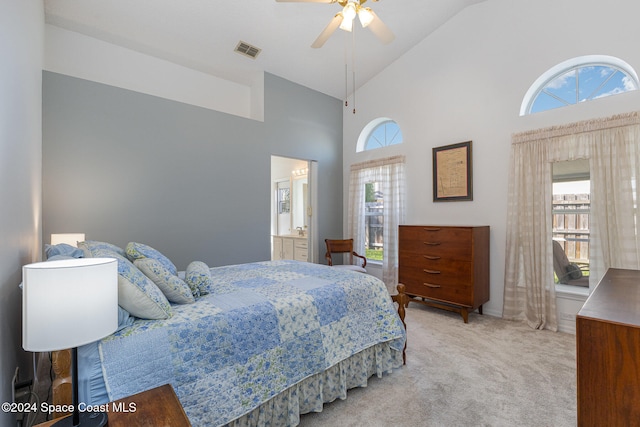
(489, 372)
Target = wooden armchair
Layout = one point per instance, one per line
(344, 246)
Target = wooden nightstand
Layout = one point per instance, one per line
(158, 407)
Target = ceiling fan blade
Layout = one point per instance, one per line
(306, 1)
(328, 30)
(381, 31)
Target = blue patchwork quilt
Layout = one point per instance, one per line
(263, 328)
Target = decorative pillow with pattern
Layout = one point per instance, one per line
(136, 292)
(140, 250)
(63, 249)
(89, 246)
(174, 288)
(198, 277)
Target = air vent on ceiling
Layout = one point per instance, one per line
(247, 50)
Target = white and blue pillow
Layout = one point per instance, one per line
(62, 249)
(136, 292)
(89, 246)
(136, 251)
(174, 288)
(198, 277)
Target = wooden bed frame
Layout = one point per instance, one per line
(61, 361)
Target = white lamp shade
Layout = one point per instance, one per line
(68, 238)
(68, 303)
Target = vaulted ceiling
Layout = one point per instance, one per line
(202, 34)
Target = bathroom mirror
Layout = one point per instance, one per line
(299, 197)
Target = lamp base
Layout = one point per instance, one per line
(87, 419)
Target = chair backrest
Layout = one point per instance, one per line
(342, 246)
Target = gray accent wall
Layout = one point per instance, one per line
(194, 183)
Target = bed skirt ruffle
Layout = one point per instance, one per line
(310, 394)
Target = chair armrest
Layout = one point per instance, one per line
(364, 260)
(329, 259)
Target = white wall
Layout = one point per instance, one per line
(466, 82)
(77, 55)
(21, 33)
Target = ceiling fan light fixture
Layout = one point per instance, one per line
(365, 16)
(349, 12)
(346, 24)
(344, 20)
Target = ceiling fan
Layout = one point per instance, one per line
(344, 19)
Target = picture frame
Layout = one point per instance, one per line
(453, 172)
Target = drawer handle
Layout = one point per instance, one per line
(431, 257)
(429, 285)
(431, 271)
(432, 229)
(431, 243)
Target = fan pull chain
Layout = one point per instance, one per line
(353, 65)
(346, 90)
(346, 74)
(354, 92)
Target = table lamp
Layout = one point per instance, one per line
(65, 304)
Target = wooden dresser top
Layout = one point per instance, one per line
(616, 299)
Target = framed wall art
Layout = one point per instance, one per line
(452, 173)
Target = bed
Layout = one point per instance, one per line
(260, 344)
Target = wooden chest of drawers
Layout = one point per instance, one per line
(445, 266)
(608, 352)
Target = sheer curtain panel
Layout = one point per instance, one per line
(390, 176)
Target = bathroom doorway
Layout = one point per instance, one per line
(292, 200)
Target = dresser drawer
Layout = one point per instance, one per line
(461, 295)
(301, 244)
(462, 235)
(439, 271)
(449, 243)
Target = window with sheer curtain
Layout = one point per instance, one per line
(389, 177)
(612, 147)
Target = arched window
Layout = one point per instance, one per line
(578, 80)
(378, 133)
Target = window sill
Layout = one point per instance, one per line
(579, 293)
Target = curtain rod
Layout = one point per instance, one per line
(620, 120)
(377, 162)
